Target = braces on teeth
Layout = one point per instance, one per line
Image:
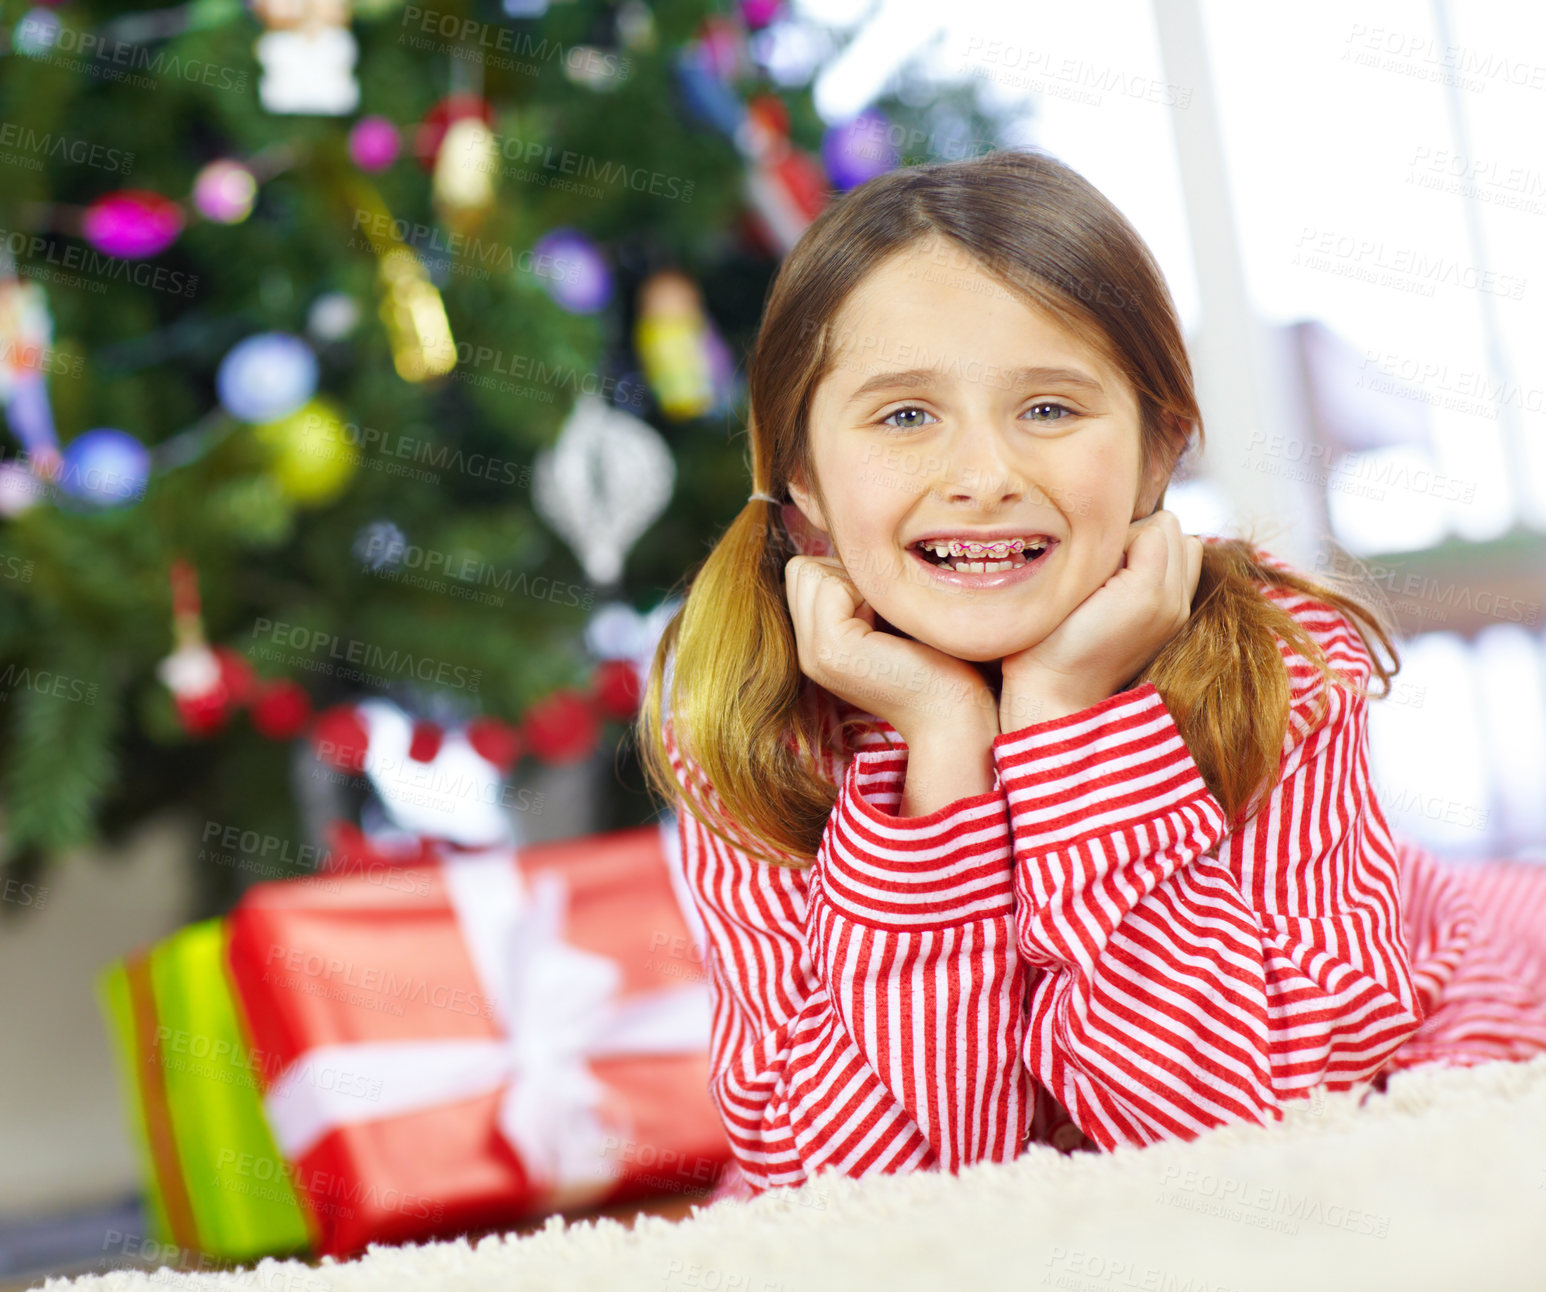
(993, 551)
(990, 558)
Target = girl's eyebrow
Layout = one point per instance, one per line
(1006, 377)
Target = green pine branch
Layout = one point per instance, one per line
(60, 758)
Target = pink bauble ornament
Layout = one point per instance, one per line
(132, 223)
(224, 191)
(20, 490)
(374, 143)
(759, 13)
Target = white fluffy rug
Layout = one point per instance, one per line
(1438, 1184)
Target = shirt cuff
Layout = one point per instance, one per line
(949, 867)
(1113, 766)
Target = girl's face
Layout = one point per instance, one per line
(955, 411)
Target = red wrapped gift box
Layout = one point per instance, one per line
(466, 1044)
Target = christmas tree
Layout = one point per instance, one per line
(350, 352)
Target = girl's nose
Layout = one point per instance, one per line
(981, 473)
(984, 487)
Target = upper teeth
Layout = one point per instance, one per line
(997, 550)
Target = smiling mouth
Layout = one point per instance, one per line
(970, 557)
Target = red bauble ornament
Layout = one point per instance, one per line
(340, 738)
(563, 728)
(618, 689)
(236, 676)
(203, 715)
(496, 741)
(426, 741)
(804, 181)
(281, 709)
(770, 113)
(204, 712)
(432, 130)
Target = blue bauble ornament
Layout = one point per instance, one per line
(104, 466)
(706, 96)
(380, 545)
(36, 33)
(266, 377)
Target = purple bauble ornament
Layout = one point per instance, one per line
(104, 466)
(132, 223)
(572, 271)
(721, 369)
(859, 150)
(31, 415)
(374, 143)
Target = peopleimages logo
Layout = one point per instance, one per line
(461, 36)
(369, 986)
(326, 652)
(377, 226)
(112, 59)
(29, 248)
(42, 681)
(34, 146)
(20, 356)
(529, 153)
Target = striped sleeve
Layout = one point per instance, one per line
(868, 1011)
(1183, 976)
(1478, 938)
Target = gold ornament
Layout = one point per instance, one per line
(415, 316)
(411, 307)
(310, 454)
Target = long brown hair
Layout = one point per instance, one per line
(736, 700)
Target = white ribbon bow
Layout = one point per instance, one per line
(557, 1007)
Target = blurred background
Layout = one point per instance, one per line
(373, 373)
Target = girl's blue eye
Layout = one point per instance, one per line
(886, 421)
(1047, 412)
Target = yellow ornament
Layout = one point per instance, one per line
(671, 339)
(310, 453)
(465, 170)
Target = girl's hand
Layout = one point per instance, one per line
(1114, 633)
(919, 690)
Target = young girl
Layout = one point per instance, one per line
(1015, 814)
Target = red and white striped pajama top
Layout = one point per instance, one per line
(1085, 956)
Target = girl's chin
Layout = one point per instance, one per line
(974, 648)
(974, 653)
